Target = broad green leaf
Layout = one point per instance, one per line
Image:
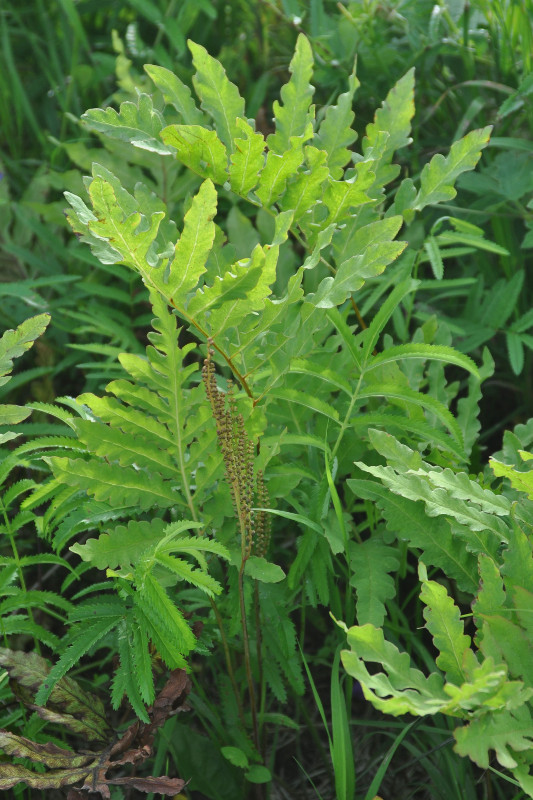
(244, 289)
(114, 484)
(418, 399)
(371, 563)
(386, 310)
(417, 485)
(443, 622)
(199, 149)
(262, 570)
(247, 159)
(258, 774)
(176, 93)
(220, 98)
(194, 244)
(431, 352)
(294, 116)
(12, 415)
(305, 399)
(432, 536)
(123, 546)
(139, 123)
(235, 756)
(438, 177)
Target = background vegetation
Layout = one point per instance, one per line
(319, 734)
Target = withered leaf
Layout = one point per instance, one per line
(48, 754)
(67, 768)
(11, 774)
(82, 712)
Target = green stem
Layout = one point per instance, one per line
(247, 661)
(20, 571)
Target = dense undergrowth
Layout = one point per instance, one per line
(266, 380)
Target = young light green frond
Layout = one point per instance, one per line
(438, 177)
(220, 98)
(199, 149)
(139, 123)
(523, 481)
(398, 455)
(236, 284)
(176, 93)
(353, 273)
(487, 686)
(194, 244)
(83, 642)
(116, 485)
(507, 732)
(400, 689)
(306, 190)
(130, 238)
(371, 563)
(293, 117)
(340, 197)
(433, 537)
(14, 343)
(443, 623)
(335, 134)
(247, 159)
(394, 118)
(431, 352)
(123, 546)
(278, 169)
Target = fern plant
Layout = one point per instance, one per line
(480, 538)
(292, 367)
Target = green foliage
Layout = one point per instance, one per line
(230, 517)
(489, 687)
